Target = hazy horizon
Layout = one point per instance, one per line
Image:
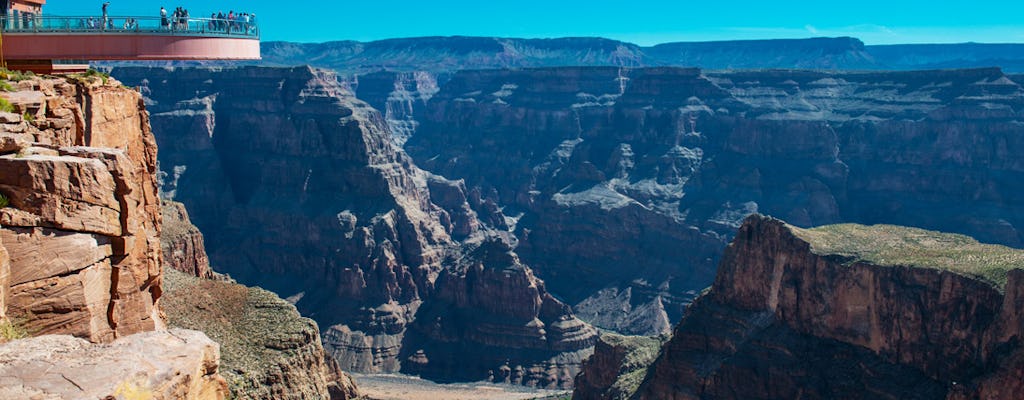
(647, 23)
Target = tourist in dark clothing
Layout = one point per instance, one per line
(106, 21)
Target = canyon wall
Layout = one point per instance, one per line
(81, 251)
(849, 311)
(83, 221)
(622, 185)
(299, 188)
(181, 242)
(619, 186)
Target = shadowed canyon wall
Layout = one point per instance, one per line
(623, 185)
(843, 312)
(299, 188)
(617, 187)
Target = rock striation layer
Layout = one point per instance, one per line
(83, 223)
(299, 188)
(849, 311)
(166, 365)
(623, 185)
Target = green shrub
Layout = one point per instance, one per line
(6, 86)
(5, 105)
(16, 76)
(4, 201)
(12, 329)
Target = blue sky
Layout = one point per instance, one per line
(641, 22)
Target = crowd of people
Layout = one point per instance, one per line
(231, 22)
(179, 20)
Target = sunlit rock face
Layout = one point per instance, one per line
(81, 222)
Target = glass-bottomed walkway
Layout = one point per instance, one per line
(32, 41)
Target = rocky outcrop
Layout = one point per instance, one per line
(299, 187)
(182, 243)
(268, 351)
(166, 365)
(490, 302)
(641, 176)
(83, 223)
(617, 368)
(849, 311)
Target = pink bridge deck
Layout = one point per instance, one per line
(129, 46)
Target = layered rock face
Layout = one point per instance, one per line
(849, 312)
(299, 188)
(398, 95)
(268, 350)
(490, 302)
(166, 365)
(82, 229)
(624, 184)
(182, 243)
(301, 192)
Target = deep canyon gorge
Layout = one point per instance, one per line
(527, 201)
(533, 216)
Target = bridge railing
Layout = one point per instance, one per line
(131, 25)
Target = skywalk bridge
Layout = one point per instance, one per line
(49, 44)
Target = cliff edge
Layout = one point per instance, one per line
(80, 259)
(849, 311)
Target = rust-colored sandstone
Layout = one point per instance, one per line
(83, 224)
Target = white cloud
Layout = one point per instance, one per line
(810, 28)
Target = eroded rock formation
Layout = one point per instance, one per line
(490, 302)
(82, 228)
(617, 368)
(299, 188)
(849, 312)
(639, 177)
(182, 243)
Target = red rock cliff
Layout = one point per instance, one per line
(83, 225)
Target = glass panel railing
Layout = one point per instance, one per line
(128, 25)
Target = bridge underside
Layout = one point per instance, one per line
(36, 52)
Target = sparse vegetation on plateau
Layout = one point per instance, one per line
(889, 245)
